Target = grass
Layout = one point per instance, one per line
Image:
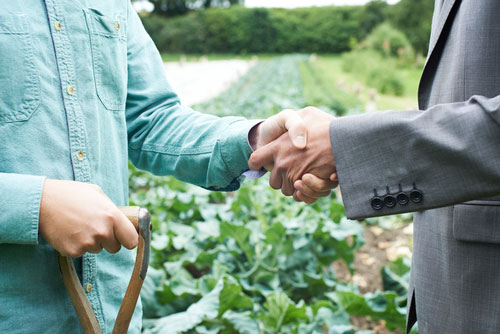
(331, 67)
(321, 91)
(327, 84)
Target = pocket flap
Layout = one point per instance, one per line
(477, 221)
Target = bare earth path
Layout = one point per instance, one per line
(196, 82)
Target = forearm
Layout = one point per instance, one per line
(169, 139)
(449, 152)
(202, 150)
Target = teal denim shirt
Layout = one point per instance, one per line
(82, 91)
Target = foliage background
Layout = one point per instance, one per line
(242, 30)
(252, 261)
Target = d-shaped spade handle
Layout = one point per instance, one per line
(142, 222)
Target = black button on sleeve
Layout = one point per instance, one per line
(416, 196)
(403, 199)
(377, 203)
(390, 201)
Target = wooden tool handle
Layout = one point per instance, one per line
(141, 220)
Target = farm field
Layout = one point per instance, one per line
(252, 261)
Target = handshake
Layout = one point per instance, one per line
(295, 147)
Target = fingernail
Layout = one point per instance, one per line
(300, 141)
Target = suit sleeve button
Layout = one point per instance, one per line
(402, 199)
(390, 201)
(416, 196)
(377, 203)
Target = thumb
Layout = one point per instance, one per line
(263, 157)
(294, 124)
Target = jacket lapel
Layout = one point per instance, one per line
(444, 15)
(437, 30)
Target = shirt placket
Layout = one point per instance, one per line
(76, 131)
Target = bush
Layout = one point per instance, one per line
(389, 42)
(386, 80)
(257, 30)
(375, 70)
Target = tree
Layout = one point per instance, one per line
(414, 18)
(372, 14)
(179, 7)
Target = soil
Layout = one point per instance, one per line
(381, 246)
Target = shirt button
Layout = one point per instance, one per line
(117, 25)
(57, 25)
(70, 89)
(88, 287)
(80, 156)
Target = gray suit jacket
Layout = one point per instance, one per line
(439, 161)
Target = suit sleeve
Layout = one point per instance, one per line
(445, 155)
(20, 206)
(167, 138)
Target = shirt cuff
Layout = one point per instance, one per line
(20, 207)
(235, 148)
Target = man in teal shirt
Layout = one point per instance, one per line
(82, 91)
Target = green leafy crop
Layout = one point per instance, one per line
(253, 261)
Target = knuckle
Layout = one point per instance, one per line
(103, 233)
(280, 167)
(253, 160)
(75, 252)
(86, 245)
(111, 215)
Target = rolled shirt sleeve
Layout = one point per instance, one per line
(20, 207)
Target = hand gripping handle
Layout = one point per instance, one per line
(142, 222)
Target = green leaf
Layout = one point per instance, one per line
(281, 311)
(241, 235)
(206, 308)
(275, 234)
(182, 283)
(243, 322)
(232, 298)
(379, 306)
(344, 229)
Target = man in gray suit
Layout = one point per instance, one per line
(442, 161)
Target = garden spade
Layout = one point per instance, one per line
(142, 222)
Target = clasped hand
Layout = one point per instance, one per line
(300, 159)
(76, 218)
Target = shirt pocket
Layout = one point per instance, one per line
(477, 221)
(109, 57)
(19, 78)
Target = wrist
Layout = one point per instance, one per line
(253, 136)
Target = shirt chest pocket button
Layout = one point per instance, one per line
(19, 79)
(109, 56)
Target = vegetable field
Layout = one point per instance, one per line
(253, 261)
